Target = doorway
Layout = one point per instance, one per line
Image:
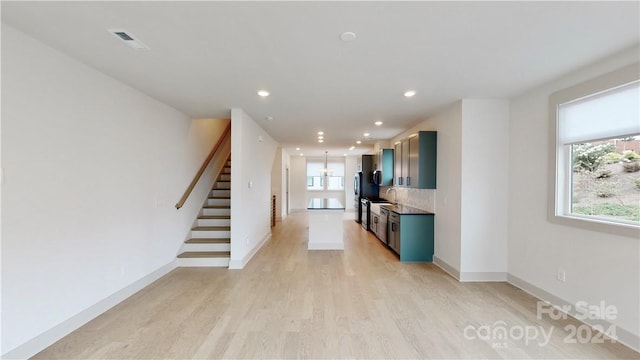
(287, 191)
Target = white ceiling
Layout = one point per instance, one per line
(207, 57)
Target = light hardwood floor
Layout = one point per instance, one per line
(288, 302)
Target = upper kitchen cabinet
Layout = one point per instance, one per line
(384, 167)
(417, 167)
(397, 165)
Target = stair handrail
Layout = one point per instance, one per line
(195, 180)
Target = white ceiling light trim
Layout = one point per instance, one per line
(348, 36)
(128, 38)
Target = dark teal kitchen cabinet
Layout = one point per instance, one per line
(385, 166)
(411, 236)
(418, 160)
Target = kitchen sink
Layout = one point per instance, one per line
(375, 207)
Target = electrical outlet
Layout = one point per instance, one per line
(561, 275)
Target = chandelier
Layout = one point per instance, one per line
(325, 171)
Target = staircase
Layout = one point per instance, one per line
(210, 243)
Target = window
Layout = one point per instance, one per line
(597, 154)
(325, 174)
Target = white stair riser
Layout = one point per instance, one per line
(200, 234)
(213, 222)
(219, 202)
(226, 193)
(225, 177)
(203, 262)
(216, 211)
(205, 247)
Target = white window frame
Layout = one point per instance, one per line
(560, 156)
(325, 178)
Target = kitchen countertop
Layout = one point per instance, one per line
(405, 210)
(325, 204)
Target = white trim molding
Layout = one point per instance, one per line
(49, 337)
(558, 181)
(622, 335)
(237, 264)
(446, 267)
(483, 276)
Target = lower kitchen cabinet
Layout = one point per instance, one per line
(411, 236)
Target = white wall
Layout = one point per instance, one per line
(298, 178)
(448, 219)
(92, 170)
(252, 154)
(286, 178)
(281, 164)
(276, 182)
(599, 266)
(470, 202)
(485, 149)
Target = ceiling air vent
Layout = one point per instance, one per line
(128, 38)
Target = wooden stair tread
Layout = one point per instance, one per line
(208, 241)
(205, 254)
(219, 217)
(212, 228)
(217, 207)
(223, 181)
(220, 197)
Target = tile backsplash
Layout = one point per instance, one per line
(423, 199)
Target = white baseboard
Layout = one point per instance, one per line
(623, 336)
(241, 263)
(47, 338)
(469, 276)
(483, 276)
(446, 267)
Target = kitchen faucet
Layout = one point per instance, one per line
(395, 194)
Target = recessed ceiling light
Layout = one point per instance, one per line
(297, 149)
(351, 148)
(320, 132)
(358, 142)
(348, 36)
(409, 93)
(301, 154)
(320, 137)
(128, 38)
(263, 93)
(366, 134)
(344, 154)
(269, 118)
(378, 123)
(320, 141)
